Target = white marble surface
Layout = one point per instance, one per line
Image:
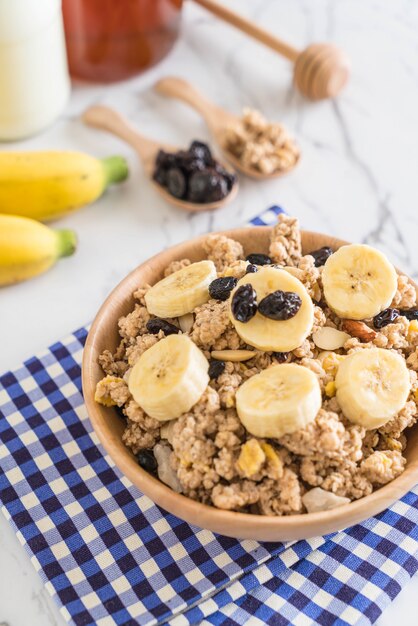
(357, 180)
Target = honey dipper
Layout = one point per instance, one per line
(320, 71)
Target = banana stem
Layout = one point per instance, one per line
(66, 242)
(115, 168)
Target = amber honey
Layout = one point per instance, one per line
(110, 40)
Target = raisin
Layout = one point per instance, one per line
(176, 182)
(220, 288)
(193, 174)
(216, 368)
(251, 269)
(229, 177)
(189, 162)
(155, 325)
(281, 357)
(385, 317)
(147, 460)
(160, 176)
(207, 186)
(280, 305)
(219, 188)
(321, 255)
(244, 303)
(410, 314)
(191, 166)
(259, 259)
(201, 151)
(165, 159)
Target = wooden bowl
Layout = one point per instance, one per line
(109, 426)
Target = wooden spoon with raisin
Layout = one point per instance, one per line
(191, 179)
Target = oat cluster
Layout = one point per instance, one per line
(210, 457)
(263, 146)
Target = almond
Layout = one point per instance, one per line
(359, 330)
(328, 338)
(232, 355)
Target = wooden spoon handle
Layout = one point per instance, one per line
(247, 27)
(108, 119)
(182, 90)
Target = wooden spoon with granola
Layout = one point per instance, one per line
(258, 148)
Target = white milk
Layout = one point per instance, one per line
(34, 81)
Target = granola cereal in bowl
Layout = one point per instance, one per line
(261, 383)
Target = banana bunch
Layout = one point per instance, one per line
(43, 186)
(47, 185)
(28, 248)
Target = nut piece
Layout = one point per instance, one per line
(318, 499)
(166, 431)
(186, 322)
(328, 338)
(359, 330)
(166, 473)
(236, 356)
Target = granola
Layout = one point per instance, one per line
(207, 453)
(260, 145)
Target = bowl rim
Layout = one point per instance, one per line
(258, 527)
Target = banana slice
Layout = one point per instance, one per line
(358, 281)
(267, 334)
(181, 292)
(372, 386)
(169, 378)
(279, 400)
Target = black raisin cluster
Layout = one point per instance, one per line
(410, 314)
(147, 461)
(220, 288)
(382, 319)
(244, 303)
(279, 305)
(216, 368)
(193, 174)
(155, 325)
(258, 258)
(321, 255)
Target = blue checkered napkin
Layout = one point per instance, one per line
(108, 555)
(105, 551)
(349, 579)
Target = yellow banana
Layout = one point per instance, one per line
(28, 248)
(46, 185)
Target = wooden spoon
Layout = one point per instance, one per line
(320, 71)
(217, 120)
(108, 119)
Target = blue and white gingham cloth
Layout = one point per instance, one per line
(108, 555)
